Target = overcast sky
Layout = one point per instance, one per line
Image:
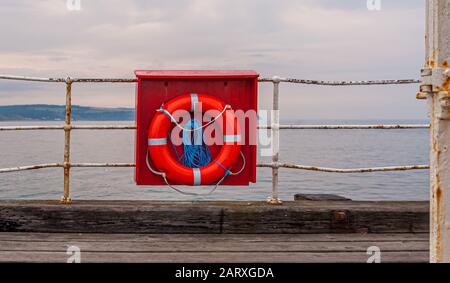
(310, 39)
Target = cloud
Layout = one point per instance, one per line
(319, 39)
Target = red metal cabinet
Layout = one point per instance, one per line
(154, 87)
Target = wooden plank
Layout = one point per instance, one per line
(229, 246)
(31, 247)
(317, 205)
(199, 257)
(96, 237)
(213, 217)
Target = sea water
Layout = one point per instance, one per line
(330, 148)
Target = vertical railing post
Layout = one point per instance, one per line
(435, 87)
(275, 126)
(67, 128)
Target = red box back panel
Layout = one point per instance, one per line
(236, 88)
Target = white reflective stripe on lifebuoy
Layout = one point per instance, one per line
(157, 141)
(197, 176)
(232, 138)
(194, 100)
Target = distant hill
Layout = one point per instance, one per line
(46, 112)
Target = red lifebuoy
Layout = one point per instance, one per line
(158, 147)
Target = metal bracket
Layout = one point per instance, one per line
(435, 81)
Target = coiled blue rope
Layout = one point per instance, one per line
(195, 153)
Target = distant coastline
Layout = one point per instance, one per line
(47, 112)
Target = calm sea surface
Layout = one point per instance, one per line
(331, 148)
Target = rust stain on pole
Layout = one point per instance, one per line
(67, 128)
(435, 86)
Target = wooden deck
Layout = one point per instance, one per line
(52, 247)
(214, 217)
(214, 231)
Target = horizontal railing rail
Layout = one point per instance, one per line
(274, 127)
(281, 127)
(343, 170)
(262, 165)
(273, 79)
(339, 83)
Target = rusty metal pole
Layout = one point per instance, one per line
(67, 128)
(275, 140)
(435, 88)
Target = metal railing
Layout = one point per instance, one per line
(274, 127)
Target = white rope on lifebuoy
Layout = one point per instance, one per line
(163, 175)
